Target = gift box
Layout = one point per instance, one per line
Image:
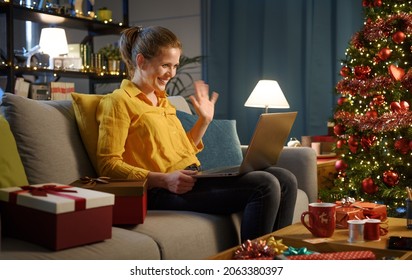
(358, 210)
(130, 205)
(56, 216)
(344, 214)
(347, 255)
(372, 210)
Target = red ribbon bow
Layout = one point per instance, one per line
(44, 190)
(80, 202)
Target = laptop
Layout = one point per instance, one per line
(268, 140)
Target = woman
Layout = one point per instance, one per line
(140, 137)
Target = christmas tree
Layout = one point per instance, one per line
(373, 121)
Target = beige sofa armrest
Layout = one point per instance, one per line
(301, 161)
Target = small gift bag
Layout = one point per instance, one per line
(346, 213)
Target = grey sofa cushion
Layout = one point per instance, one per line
(48, 140)
(221, 142)
(124, 245)
(184, 235)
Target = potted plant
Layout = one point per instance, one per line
(111, 55)
(104, 14)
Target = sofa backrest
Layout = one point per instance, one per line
(52, 149)
(47, 138)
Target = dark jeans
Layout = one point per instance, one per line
(267, 199)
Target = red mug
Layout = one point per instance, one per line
(322, 219)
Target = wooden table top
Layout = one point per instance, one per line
(298, 236)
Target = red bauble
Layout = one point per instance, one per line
(368, 141)
(404, 105)
(399, 106)
(377, 3)
(384, 53)
(340, 143)
(396, 73)
(410, 145)
(402, 146)
(345, 71)
(368, 186)
(398, 37)
(371, 114)
(395, 106)
(390, 178)
(339, 129)
(340, 165)
(342, 100)
(353, 144)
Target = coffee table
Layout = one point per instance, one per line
(298, 236)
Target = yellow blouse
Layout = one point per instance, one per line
(136, 137)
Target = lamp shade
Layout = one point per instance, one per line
(267, 94)
(53, 41)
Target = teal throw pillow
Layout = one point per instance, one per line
(221, 142)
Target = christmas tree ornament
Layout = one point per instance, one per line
(377, 3)
(345, 71)
(368, 186)
(384, 53)
(404, 105)
(407, 80)
(390, 178)
(399, 107)
(353, 144)
(340, 143)
(339, 129)
(342, 100)
(340, 165)
(398, 37)
(371, 114)
(362, 72)
(368, 141)
(396, 73)
(402, 146)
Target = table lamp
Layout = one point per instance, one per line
(53, 42)
(267, 94)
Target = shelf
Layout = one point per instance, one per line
(66, 73)
(92, 25)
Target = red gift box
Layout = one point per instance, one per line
(348, 255)
(358, 211)
(56, 216)
(372, 210)
(130, 206)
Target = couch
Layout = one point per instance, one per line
(46, 137)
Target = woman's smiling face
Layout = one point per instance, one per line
(160, 69)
